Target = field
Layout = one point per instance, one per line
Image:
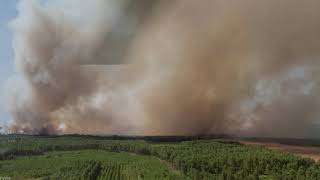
(312, 152)
(87, 164)
(120, 158)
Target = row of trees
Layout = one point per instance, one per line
(202, 159)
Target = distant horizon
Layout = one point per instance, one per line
(206, 136)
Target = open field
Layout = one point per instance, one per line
(312, 152)
(122, 158)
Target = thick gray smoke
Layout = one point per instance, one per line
(191, 67)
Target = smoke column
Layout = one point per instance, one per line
(242, 67)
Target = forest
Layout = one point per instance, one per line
(121, 158)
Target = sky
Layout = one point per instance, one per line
(7, 13)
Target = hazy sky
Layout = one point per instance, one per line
(7, 13)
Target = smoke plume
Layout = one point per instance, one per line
(177, 67)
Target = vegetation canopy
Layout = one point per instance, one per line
(90, 157)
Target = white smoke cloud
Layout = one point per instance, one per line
(192, 67)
